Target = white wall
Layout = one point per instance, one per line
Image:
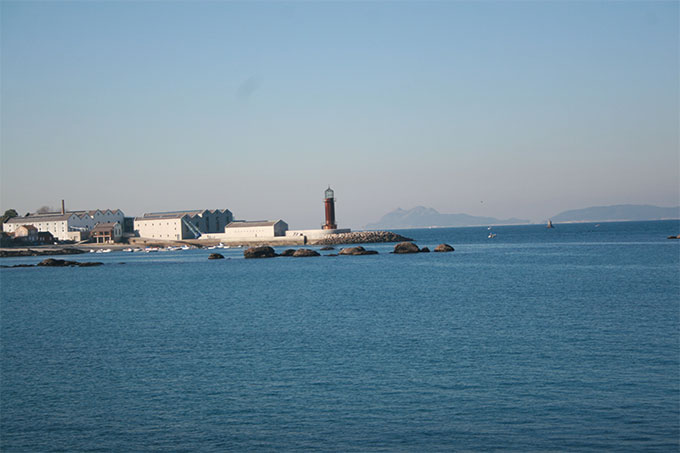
(249, 232)
(59, 228)
(166, 229)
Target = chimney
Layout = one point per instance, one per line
(63, 211)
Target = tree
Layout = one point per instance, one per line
(9, 214)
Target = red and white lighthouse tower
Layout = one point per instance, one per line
(329, 202)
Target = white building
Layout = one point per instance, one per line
(178, 225)
(255, 229)
(70, 225)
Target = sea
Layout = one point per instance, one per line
(563, 339)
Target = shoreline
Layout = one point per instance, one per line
(359, 237)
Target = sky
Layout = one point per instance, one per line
(502, 109)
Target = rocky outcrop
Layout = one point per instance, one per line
(215, 256)
(425, 250)
(288, 252)
(51, 262)
(358, 250)
(406, 247)
(443, 248)
(90, 264)
(359, 237)
(17, 265)
(305, 252)
(674, 237)
(40, 252)
(262, 251)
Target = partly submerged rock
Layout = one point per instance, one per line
(425, 250)
(305, 252)
(358, 250)
(288, 252)
(51, 262)
(406, 247)
(443, 248)
(263, 251)
(56, 263)
(328, 247)
(215, 256)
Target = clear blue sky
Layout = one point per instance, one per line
(495, 108)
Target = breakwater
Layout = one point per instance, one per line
(359, 237)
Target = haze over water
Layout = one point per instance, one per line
(560, 340)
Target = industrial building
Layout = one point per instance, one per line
(66, 225)
(255, 229)
(178, 225)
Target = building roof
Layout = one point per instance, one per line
(104, 226)
(252, 223)
(56, 216)
(51, 217)
(165, 216)
(176, 214)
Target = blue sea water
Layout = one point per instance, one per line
(538, 340)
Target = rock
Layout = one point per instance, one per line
(29, 252)
(406, 247)
(215, 256)
(263, 251)
(332, 254)
(443, 248)
(358, 250)
(425, 250)
(51, 262)
(328, 247)
(288, 252)
(305, 252)
(674, 237)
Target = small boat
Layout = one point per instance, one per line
(127, 250)
(549, 225)
(492, 235)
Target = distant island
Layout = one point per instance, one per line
(422, 217)
(618, 212)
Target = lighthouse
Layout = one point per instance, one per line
(329, 203)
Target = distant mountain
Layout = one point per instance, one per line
(420, 217)
(618, 212)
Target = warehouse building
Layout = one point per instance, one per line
(178, 225)
(65, 225)
(242, 229)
